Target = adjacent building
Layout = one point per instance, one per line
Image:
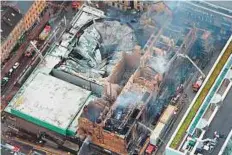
(129, 5)
(13, 25)
(33, 13)
(11, 30)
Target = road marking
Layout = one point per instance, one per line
(216, 12)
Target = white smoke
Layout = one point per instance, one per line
(159, 64)
(128, 99)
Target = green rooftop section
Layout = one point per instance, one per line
(205, 90)
(39, 122)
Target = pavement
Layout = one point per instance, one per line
(222, 123)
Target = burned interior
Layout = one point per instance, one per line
(95, 50)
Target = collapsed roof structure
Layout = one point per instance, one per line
(91, 48)
(121, 116)
(94, 53)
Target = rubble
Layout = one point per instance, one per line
(93, 55)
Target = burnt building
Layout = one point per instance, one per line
(117, 125)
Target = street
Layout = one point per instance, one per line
(222, 123)
(27, 148)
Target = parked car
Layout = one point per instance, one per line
(16, 65)
(76, 4)
(4, 81)
(10, 71)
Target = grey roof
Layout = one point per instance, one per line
(24, 5)
(9, 19)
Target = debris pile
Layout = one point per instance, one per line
(98, 49)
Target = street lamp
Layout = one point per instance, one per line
(37, 51)
(186, 56)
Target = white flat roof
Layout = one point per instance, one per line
(83, 19)
(50, 100)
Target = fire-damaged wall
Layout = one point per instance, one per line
(94, 87)
(145, 76)
(118, 71)
(125, 67)
(101, 137)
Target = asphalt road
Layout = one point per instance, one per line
(19, 53)
(23, 62)
(222, 123)
(24, 149)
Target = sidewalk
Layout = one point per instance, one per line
(221, 123)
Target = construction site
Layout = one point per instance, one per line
(114, 86)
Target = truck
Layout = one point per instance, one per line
(197, 85)
(44, 34)
(150, 149)
(176, 97)
(76, 5)
(160, 129)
